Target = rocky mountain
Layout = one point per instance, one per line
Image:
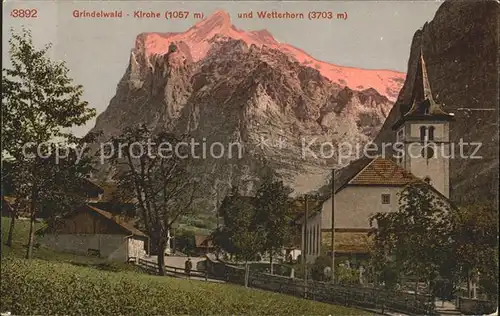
(461, 49)
(196, 45)
(226, 85)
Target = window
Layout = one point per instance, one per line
(316, 239)
(309, 241)
(386, 199)
(313, 239)
(305, 241)
(306, 245)
(423, 133)
(427, 152)
(431, 133)
(399, 153)
(319, 239)
(427, 180)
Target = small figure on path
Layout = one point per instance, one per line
(361, 274)
(188, 265)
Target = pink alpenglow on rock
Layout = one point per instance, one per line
(197, 42)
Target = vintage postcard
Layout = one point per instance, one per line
(250, 157)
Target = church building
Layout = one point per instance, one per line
(371, 185)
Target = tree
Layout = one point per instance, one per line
(274, 214)
(475, 245)
(38, 98)
(248, 244)
(415, 239)
(185, 241)
(8, 190)
(156, 179)
(240, 235)
(237, 213)
(39, 102)
(222, 180)
(428, 237)
(50, 185)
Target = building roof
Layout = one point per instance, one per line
(382, 171)
(110, 192)
(348, 242)
(370, 172)
(202, 241)
(90, 187)
(367, 171)
(423, 106)
(127, 225)
(298, 204)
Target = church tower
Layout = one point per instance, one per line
(422, 135)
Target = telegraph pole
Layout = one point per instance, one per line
(304, 256)
(333, 226)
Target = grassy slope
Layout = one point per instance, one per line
(72, 285)
(83, 290)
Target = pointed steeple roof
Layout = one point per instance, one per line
(423, 106)
(423, 102)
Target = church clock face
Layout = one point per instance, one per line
(427, 152)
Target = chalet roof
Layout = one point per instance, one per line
(127, 225)
(112, 194)
(90, 186)
(299, 206)
(127, 210)
(203, 241)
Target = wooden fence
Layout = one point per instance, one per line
(152, 268)
(374, 299)
(355, 296)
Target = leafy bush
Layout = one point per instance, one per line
(390, 276)
(343, 275)
(185, 241)
(318, 268)
(39, 287)
(346, 275)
